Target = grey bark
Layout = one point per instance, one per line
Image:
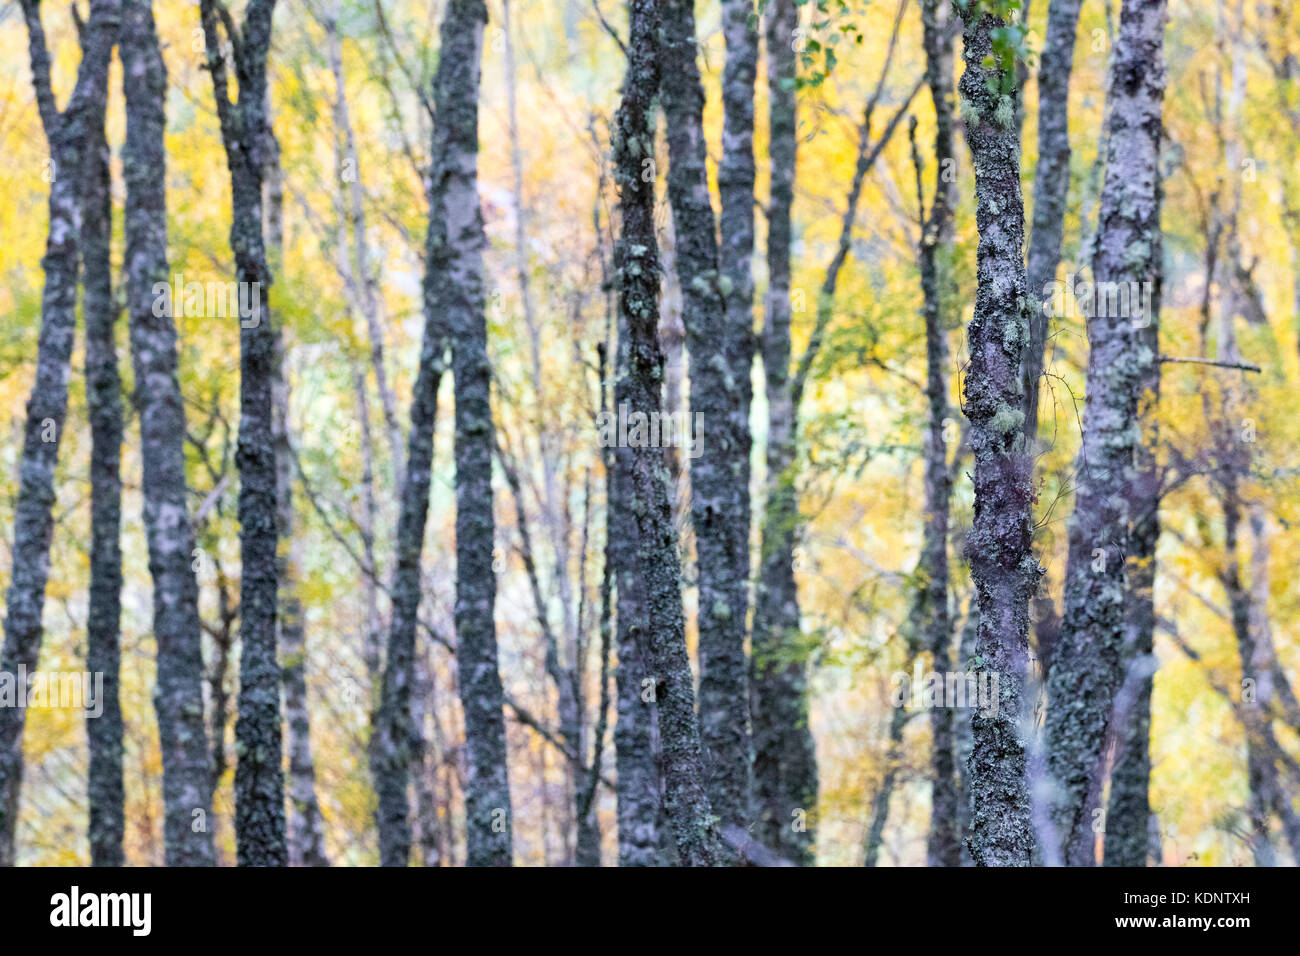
(456, 243)
(1128, 815)
(66, 133)
(430, 835)
(943, 844)
(785, 764)
(306, 834)
(104, 401)
(1051, 186)
(588, 849)
(372, 639)
(187, 783)
(1270, 682)
(880, 799)
(393, 738)
(1261, 772)
(1003, 565)
(1087, 665)
(642, 486)
(963, 737)
(259, 777)
(635, 727)
(717, 314)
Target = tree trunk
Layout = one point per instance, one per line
(259, 777)
(785, 761)
(1128, 815)
(187, 767)
(104, 401)
(963, 737)
(668, 678)
(393, 736)
(426, 798)
(1051, 186)
(719, 333)
(943, 846)
(880, 800)
(1003, 565)
(359, 281)
(635, 763)
(1087, 665)
(306, 838)
(588, 848)
(456, 244)
(1261, 773)
(66, 134)
(634, 730)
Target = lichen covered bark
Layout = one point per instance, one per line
(187, 766)
(66, 134)
(306, 832)
(259, 776)
(392, 734)
(458, 290)
(943, 844)
(634, 730)
(785, 764)
(104, 402)
(1002, 561)
(1051, 186)
(719, 337)
(1087, 665)
(668, 680)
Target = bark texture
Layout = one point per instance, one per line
(1087, 665)
(1128, 815)
(187, 765)
(963, 736)
(66, 133)
(635, 728)
(880, 799)
(785, 760)
(1003, 565)
(306, 833)
(717, 314)
(245, 129)
(643, 479)
(457, 244)
(1051, 186)
(943, 845)
(104, 403)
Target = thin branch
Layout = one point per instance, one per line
(595, 5)
(1240, 366)
(40, 57)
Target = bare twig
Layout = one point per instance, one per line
(1240, 366)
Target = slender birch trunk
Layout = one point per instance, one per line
(1051, 186)
(719, 337)
(642, 488)
(456, 241)
(1088, 664)
(104, 401)
(66, 134)
(943, 845)
(245, 128)
(785, 764)
(1003, 565)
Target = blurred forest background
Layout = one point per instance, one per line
(350, 104)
